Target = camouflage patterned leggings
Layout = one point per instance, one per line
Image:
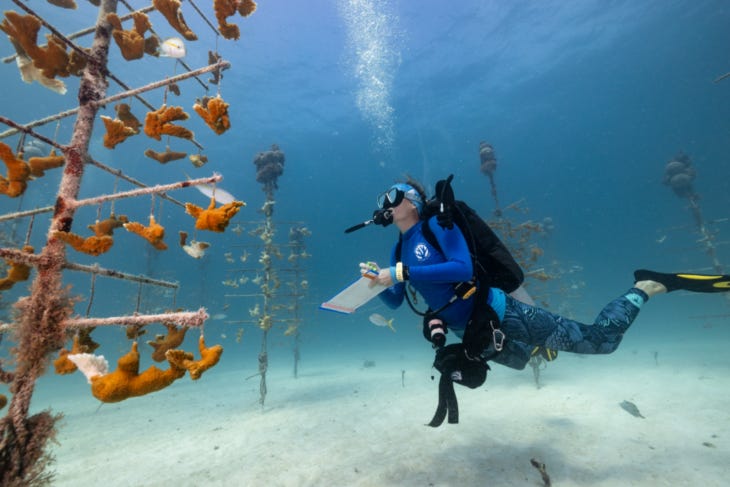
(528, 326)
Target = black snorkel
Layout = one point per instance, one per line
(383, 217)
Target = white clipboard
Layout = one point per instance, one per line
(354, 295)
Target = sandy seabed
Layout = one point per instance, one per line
(341, 424)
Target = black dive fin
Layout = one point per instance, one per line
(699, 283)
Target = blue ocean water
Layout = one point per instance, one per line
(584, 101)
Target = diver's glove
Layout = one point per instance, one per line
(383, 217)
(445, 213)
(434, 330)
(452, 361)
(483, 333)
(445, 217)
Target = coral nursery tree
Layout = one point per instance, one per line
(43, 320)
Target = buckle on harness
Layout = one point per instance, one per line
(465, 290)
(498, 338)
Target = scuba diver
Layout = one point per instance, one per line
(492, 325)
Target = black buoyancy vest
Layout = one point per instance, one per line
(493, 263)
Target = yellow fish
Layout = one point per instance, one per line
(379, 320)
(172, 47)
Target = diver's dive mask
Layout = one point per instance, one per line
(394, 197)
(391, 198)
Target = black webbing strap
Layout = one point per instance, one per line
(447, 403)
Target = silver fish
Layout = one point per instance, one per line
(34, 148)
(630, 408)
(173, 47)
(380, 320)
(221, 196)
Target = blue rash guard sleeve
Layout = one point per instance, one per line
(431, 272)
(456, 266)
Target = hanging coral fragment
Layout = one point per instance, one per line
(214, 111)
(17, 272)
(131, 42)
(116, 132)
(153, 233)
(158, 123)
(126, 381)
(94, 245)
(164, 157)
(39, 165)
(212, 218)
(16, 180)
(171, 11)
(209, 357)
(29, 73)
(227, 8)
(162, 343)
(108, 225)
(124, 113)
(52, 60)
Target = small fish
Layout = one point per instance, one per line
(173, 47)
(219, 316)
(33, 148)
(379, 320)
(630, 408)
(221, 196)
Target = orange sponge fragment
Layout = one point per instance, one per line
(94, 245)
(212, 218)
(62, 364)
(107, 226)
(52, 60)
(130, 42)
(209, 357)
(38, 165)
(15, 183)
(154, 233)
(124, 113)
(164, 157)
(226, 8)
(214, 111)
(171, 11)
(116, 132)
(163, 343)
(126, 381)
(17, 272)
(157, 123)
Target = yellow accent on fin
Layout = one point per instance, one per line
(699, 277)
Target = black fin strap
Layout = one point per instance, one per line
(451, 404)
(447, 403)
